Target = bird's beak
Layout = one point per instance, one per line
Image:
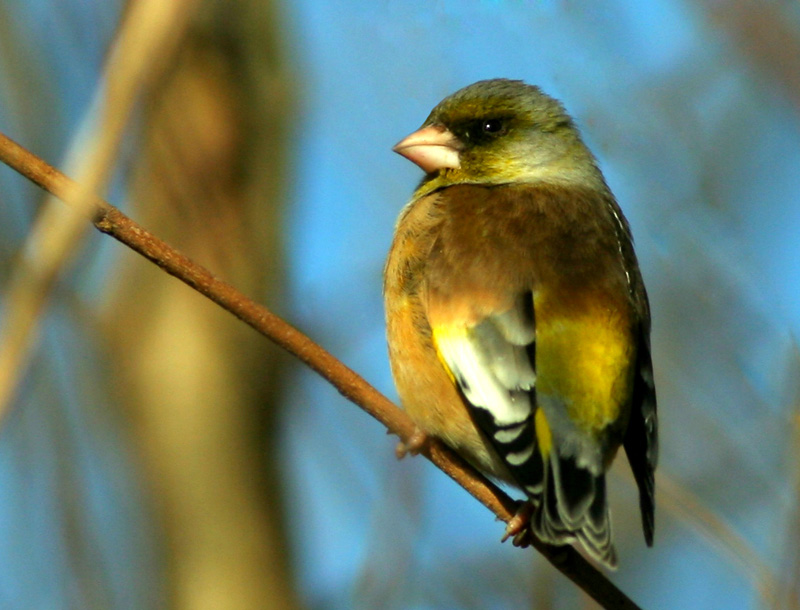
(432, 148)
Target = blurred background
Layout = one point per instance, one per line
(160, 454)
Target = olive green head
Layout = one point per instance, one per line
(500, 131)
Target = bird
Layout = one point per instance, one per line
(518, 324)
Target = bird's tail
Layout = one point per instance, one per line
(572, 506)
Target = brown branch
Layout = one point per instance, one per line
(111, 221)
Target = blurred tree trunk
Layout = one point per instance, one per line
(198, 386)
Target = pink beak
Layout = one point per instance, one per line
(432, 148)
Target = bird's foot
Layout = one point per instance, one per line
(413, 445)
(518, 528)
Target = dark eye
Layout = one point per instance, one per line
(480, 131)
(492, 126)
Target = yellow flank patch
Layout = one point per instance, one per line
(587, 362)
(442, 334)
(543, 434)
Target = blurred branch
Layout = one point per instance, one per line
(149, 33)
(210, 177)
(787, 595)
(687, 506)
(111, 221)
(766, 36)
(790, 592)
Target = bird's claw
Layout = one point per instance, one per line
(518, 528)
(413, 445)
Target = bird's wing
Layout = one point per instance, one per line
(493, 363)
(641, 438)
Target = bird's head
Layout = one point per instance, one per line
(499, 132)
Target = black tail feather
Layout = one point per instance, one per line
(573, 507)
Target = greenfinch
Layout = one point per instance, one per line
(517, 319)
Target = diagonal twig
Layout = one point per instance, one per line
(111, 221)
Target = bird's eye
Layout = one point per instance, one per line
(492, 126)
(480, 131)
